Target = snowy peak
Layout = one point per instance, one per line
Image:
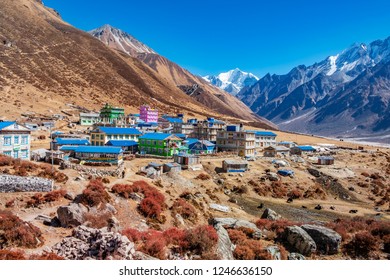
(232, 81)
(120, 40)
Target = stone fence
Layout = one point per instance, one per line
(10, 183)
(98, 172)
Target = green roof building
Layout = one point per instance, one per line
(110, 114)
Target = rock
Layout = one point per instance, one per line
(314, 172)
(219, 207)
(111, 208)
(137, 197)
(69, 196)
(296, 257)
(352, 189)
(95, 244)
(272, 176)
(274, 252)
(318, 207)
(225, 246)
(300, 240)
(327, 240)
(11, 183)
(353, 211)
(71, 215)
(113, 224)
(270, 214)
(179, 219)
(236, 223)
(289, 200)
(221, 181)
(44, 218)
(261, 205)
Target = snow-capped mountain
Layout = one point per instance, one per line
(347, 94)
(120, 40)
(232, 81)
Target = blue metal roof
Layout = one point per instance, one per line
(306, 148)
(263, 133)
(68, 148)
(180, 135)
(190, 141)
(72, 141)
(156, 136)
(98, 149)
(5, 124)
(120, 130)
(286, 142)
(174, 120)
(122, 143)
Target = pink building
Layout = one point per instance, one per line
(148, 114)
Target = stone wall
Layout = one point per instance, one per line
(10, 183)
(99, 172)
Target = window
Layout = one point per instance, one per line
(120, 136)
(93, 136)
(24, 140)
(101, 136)
(16, 139)
(126, 137)
(24, 153)
(7, 153)
(7, 140)
(16, 154)
(109, 137)
(115, 137)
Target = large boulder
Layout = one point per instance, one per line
(236, 223)
(71, 215)
(300, 240)
(327, 240)
(295, 257)
(93, 243)
(270, 214)
(225, 246)
(274, 251)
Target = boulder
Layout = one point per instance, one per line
(296, 257)
(71, 215)
(274, 252)
(300, 240)
(327, 240)
(236, 223)
(219, 207)
(270, 214)
(225, 246)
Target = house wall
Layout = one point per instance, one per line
(15, 143)
(157, 147)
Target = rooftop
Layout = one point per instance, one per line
(122, 143)
(120, 130)
(98, 149)
(5, 124)
(157, 136)
(174, 120)
(71, 141)
(234, 161)
(263, 133)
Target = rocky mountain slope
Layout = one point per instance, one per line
(46, 63)
(345, 95)
(232, 81)
(210, 96)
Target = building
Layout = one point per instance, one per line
(129, 146)
(186, 160)
(307, 149)
(196, 146)
(273, 151)
(264, 139)
(89, 119)
(161, 144)
(171, 167)
(287, 144)
(203, 130)
(57, 143)
(236, 139)
(295, 151)
(98, 154)
(109, 114)
(147, 114)
(102, 134)
(325, 160)
(15, 140)
(230, 165)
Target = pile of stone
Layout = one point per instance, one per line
(97, 244)
(11, 183)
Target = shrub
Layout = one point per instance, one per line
(277, 226)
(361, 245)
(46, 257)
(176, 237)
(186, 210)
(106, 180)
(237, 236)
(294, 194)
(94, 194)
(11, 255)
(10, 203)
(132, 234)
(203, 177)
(243, 252)
(39, 198)
(150, 208)
(201, 238)
(97, 220)
(386, 244)
(155, 247)
(240, 189)
(6, 160)
(16, 232)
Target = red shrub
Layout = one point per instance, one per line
(150, 208)
(237, 236)
(155, 247)
(175, 236)
(203, 176)
(243, 252)
(46, 257)
(132, 234)
(95, 194)
(16, 232)
(35, 200)
(386, 244)
(11, 255)
(186, 210)
(361, 245)
(202, 238)
(97, 220)
(295, 194)
(54, 195)
(276, 226)
(10, 203)
(6, 160)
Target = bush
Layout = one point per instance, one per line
(6, 255)
(243, 252)
(97, 220)
(39, 198)
(10, 203)
(203, 177)
(16, 232)
(150, 208)
(361, 245)
(236, 236)
(46, 257)
(6, 160)
(132, 234)
(95, 194)
(277, 226)
(240, 189)
(294, 194)
(386, 244)
(201, 238)
(186, 210)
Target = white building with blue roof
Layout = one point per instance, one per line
(102, 134)
(15, 140)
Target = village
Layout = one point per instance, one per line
(213, 170)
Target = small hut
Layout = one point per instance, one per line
(325, 160)
(235, 165)
(171, 167)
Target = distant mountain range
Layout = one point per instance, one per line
(345, 95)
(232, 81)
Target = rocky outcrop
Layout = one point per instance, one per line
(11, 183)
(71, 215)
(296, 257)
(225, 246)
(300, 240)
(270, 214)
(99, 244)
(236, 223)
(327, 240)
(274, 251)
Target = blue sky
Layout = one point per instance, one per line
(209, 37)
